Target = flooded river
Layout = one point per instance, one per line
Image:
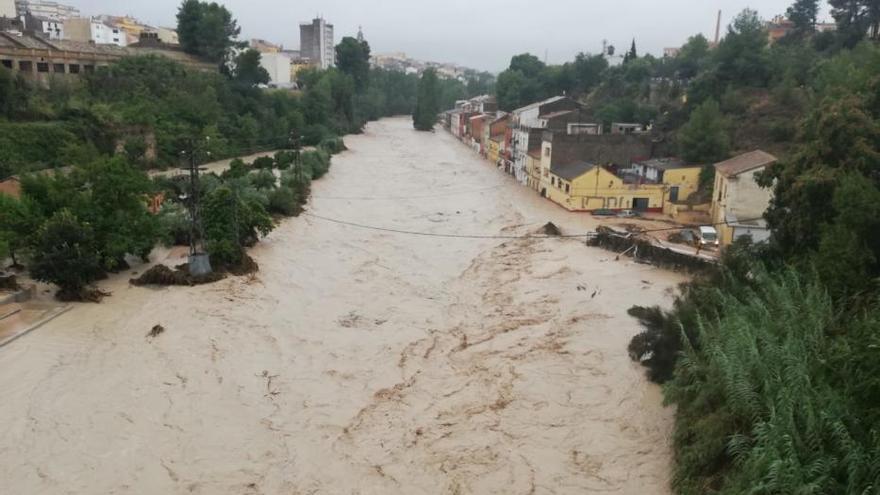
(357, 361)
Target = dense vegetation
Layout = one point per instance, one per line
(773, 361)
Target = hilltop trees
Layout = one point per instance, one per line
(803, 13)
(856, 19)
(207, 30)
(428, 102)
(704, 138)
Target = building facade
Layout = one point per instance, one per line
(278, 66)
(7, 9)
(528, 123)
(739, 202)
(85, 30)
(317, 43)
(46, 9)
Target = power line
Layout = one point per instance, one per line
(498, 236)
(382, 198)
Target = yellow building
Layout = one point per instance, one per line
(681, 178)
(494, 149)
(585, 186)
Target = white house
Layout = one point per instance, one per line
(85, 29)
(278, 67)
(739, 202)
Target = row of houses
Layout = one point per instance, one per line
(560, 150)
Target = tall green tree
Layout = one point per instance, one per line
(803, 13)
(248, 71)
(856, 19)
(742, 56)
(428, 102)
(207, 30)
(704, 138)
(632, 54)
(353, 58)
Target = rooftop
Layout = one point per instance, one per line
(665, 163)
(572, 171)
(745, 163)
(555, 114)
(539, 104)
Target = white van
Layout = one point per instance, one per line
(707, 236)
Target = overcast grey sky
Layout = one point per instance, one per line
(482, 34)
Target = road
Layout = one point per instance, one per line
(358, 361)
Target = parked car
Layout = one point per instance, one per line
(604, 212)
(687, 236)
(707, 236)
(629, 214)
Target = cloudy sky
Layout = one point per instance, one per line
(482, 34)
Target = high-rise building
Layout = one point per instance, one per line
(317, 44)
(46, 9)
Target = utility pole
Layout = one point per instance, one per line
(199, 262)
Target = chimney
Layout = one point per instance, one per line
(718, 29)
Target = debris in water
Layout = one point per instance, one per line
(156, 331)
(551, 229)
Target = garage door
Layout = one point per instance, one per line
(641, 203)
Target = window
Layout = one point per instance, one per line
(89, 68)
(74, 68)
(567, 188)
(547, 151)
(42, 67)
(26, 66)
(7, 64)
(58, 68)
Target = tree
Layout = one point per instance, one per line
(632, 54)
(856, 19)
(803, 13)
(428, 103)
(248, 71)
(693, 56)
(704, 138)
(207, 30)
(231, 223)
(353, 58)
(742, 55)
(65, 254)
(18, 222)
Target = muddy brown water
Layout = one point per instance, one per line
(357, 361)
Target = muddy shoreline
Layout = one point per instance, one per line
(358, 361)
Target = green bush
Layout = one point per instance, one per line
(284, 159)
(264, 163)
(283, 201)
(65, 253)
(333, 145)
(237, 168)
(263, 179)
(231, 224)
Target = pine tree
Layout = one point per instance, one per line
(428, 103)
(803, 13)
(632, 54)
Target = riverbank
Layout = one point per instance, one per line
(358, 360)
